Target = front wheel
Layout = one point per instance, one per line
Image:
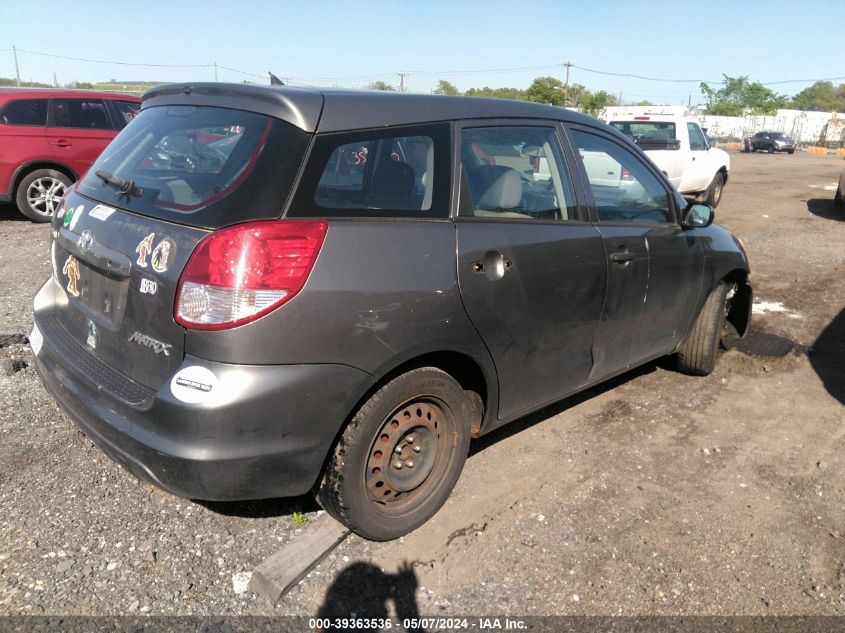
(697, 354)
(399, 458)
(714, 191)
(39, 193)
(790, 151)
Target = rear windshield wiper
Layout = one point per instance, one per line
(125, 187)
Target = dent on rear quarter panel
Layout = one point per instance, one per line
(381, 292)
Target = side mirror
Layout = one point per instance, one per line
(697, 216)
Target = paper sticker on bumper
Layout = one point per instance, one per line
(193, 384)
(36, 340)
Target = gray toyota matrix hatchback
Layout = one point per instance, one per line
(261, 291)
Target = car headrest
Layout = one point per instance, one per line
(393, 178)
(496, 187)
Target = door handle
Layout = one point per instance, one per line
(621, 257)
(494, 265)
(63, 143)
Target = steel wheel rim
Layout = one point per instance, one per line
(717, 191)
(408, 455)
(43, 195)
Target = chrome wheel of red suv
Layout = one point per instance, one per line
(40, 192)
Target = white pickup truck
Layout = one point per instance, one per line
(676, 144)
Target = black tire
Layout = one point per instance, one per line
(790, 151)
(39, 192)
(714, 191)
(697, 354)
(771, 149)
(420, 420)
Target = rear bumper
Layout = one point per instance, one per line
(263, 431)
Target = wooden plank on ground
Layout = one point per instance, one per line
(282, 571)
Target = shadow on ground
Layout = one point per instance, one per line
(262, 508)
(827, 356)
(10, 213)
(517, 426)
(826, 208)
(363, 591)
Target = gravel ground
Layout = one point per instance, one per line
(658, 493)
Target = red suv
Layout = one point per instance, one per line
(49, 138)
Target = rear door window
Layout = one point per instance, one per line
(24, 112)
(199, 165)
(398, 172)
(89, 114)
(516, 173)
(126, 111)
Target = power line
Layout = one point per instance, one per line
(603, 72)
(417, 73)
(101, 61)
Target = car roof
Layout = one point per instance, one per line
(63, 93)
(330, 110)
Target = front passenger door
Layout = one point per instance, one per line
(654, 266)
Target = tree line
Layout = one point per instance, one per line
(734, 97)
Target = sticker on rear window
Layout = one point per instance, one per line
(101, 212)
(193, 384)
(35, 339)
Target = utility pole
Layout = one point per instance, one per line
(17, 70)
(55, 81)
(566, 85)
(215, 71)
(401, 82)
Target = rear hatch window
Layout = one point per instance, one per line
(202, 166)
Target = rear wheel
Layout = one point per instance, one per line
(714, 191)
(39, 193)
(400, 456)
(697, 354)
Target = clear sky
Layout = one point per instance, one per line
(350, 44)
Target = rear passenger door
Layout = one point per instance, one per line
(78, 130)
(531, 268)
(23, 137)
(654, 266)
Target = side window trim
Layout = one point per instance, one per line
(460, 191)
(585, 181)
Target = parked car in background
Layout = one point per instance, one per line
(342, 289)
(773, 142)
(49, 138)
(677, 145)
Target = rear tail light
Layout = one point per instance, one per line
(626, 175)
(240, 273)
